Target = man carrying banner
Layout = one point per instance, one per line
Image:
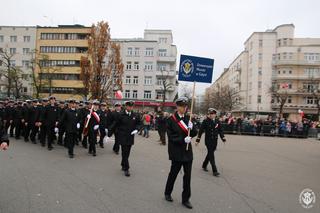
(180, 150)
(93, 120)
(212, 128)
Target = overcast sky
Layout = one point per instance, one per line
(209, 28)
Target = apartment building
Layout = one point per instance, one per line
(19, 43)
(270, 60)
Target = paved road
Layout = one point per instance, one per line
(259, 174)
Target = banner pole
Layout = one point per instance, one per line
(191, 110)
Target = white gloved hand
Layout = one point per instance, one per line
(106, 139)
(106, 131)
(88, 116)
(78, 125)
(187, 139)
(190, 125)
(56, 130)
(134, 132)
(96, 127)
(4, 146)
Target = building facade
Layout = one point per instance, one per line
(59, 50)
(148, 63)
(18, 42)
(270, 60)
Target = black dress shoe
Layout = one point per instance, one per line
(50, 148)
(90, 152)
(101, 145)
(168, 198)
(94, 154)
(127, 173)
(205, 169)
(187, 204)
(71, 156)
(217, 174)
(116, 152)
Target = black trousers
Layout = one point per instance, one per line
(11, 125)
(102, 135)
(42, 134)
(92, 140)
(211, 148)
(116, 145)
(162, 135)
(50, 134)
(71, 139)
(62, 130)
(174, 171)
(125, 152)
(34, 130)
(18, 127)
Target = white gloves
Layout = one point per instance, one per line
(56, 130)
(88, 116)
(106, 139)
(106, 131)
(96, 127)
(190, 125)
(134, 132)
(78, 125)
(187, 139)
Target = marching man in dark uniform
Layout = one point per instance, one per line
(70, 120)
(212, 128)
(32, 122)
(93, 120)
(112, 118)
(4, 141)
(104, 114)
(127, 124)
(49, 119)
(180, 150)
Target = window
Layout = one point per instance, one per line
(136, 51)
(310, 100)
(249, 99)
(162, 52)
(250, 85)
(148, 80)
(25, 63)
(1, 38)
(312, 56)
(25, 51)
(147, 94)
(283, 72)
(13, 38)
(160, 81)
(279, 42)
(13, 51)
(127, 93)
(135, 79)
(128, 79)
(260, 43)
(149, 52)
(289, 85)
(13, 63)
(129, 51)
(290, 71)
(136, 65)
(260, 56)
(260, 71)
(162, 67)
(128, 66)
(148, 66)
(312, 72)
(135, 94)
(259, 84)
(159, 95)
(26, 38)
(25, 89)
(163, 40)
(259, 99)
(289, 99)
(250, 59)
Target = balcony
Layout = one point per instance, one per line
(171, 59)
(165, 73)
(238, 69)
(295, 62)
(294, 77)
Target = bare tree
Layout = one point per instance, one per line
(223, 98)
(102, 68)
(8, 69)
(166, 85)
(279, 95)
